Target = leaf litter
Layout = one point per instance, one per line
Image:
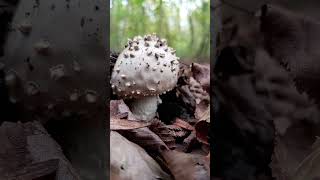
(267, 81)
(174, 144)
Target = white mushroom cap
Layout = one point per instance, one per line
(146, 67)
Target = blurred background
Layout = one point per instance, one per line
(184, 23)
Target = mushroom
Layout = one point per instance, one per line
(145, 69)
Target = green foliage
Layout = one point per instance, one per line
(184, 23)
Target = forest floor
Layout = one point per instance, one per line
(177, 140)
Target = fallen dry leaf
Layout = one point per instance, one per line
(202, 111)
(123, 124)
(166, 134)
(177, 131)
(201, 72)
(202, 131)
(185, 166)
(145, 138)
(190, 141)
(197, 91)
(183, 124)
(130, 162)
(202, 99)
(186, 96)
(185, 70)
(191, 91)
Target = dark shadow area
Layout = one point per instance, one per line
(238, 153)
(265, 88)
(53, 71)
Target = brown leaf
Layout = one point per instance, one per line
(177, 131)
(202, 74)
(186, 166)
(185, 70)
(145, 138)
(190, 141)
(123, 124)
(202, 131)
(168, 133)
(198, 92)
(186, 96)
(183, 124)
(129, 161)
(165, 133)
(202, 111)
(192, 93)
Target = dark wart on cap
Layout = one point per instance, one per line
(146, 68)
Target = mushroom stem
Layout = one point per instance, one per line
(145, 108)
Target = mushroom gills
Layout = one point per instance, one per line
(145, 108)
